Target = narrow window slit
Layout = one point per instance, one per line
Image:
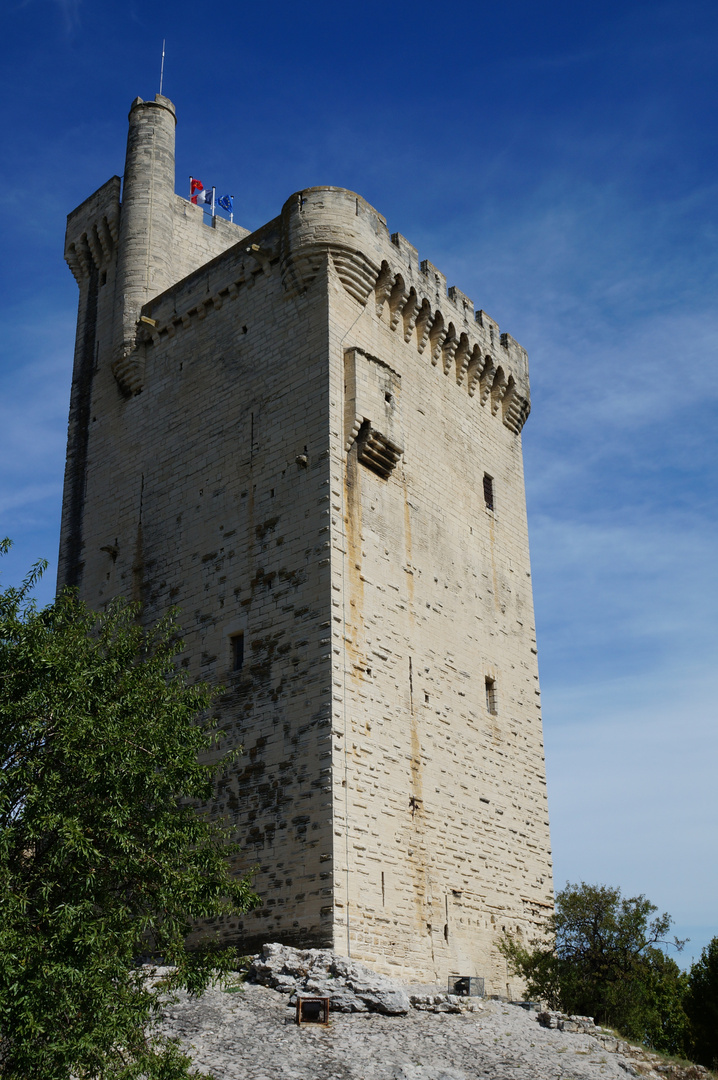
(491, 696)
(489, 491)
(237, 647)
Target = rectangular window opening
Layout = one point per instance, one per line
(491, 696)
(489, 491)
(237, 645)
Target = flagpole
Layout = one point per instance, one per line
(231, 212)
(162, 68)
(213, 200)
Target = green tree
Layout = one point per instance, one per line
(103, 854)
(660, 1017)
(599, 957)
(702, 1005)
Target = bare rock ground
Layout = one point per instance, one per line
(380, 1030)
(252, 1035)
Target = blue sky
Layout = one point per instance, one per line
(558, 163)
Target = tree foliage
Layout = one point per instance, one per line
(103, 855)
(702, 1005)
(600, 958)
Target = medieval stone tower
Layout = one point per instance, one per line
(309, 445)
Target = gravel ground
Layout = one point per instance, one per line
(251, 1035)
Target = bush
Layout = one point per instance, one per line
(103, 856)
(599, 958)
(702, 1005)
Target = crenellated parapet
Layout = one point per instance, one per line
(379, 271)
(206, 291)
(93, 231)
(409, 296)
(306, 242)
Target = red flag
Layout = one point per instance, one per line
(194, 186)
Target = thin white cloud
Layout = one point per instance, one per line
(631, 782)
(70, 11)
(29, 495)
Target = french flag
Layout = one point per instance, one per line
(197, 193)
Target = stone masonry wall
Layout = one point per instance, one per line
(441, 822)
(314, 449)
(209, 489)
(195, 241)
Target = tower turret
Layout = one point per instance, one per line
(145, 245)
(122, 255)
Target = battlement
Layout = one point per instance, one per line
(442, 323)
(93, 230)
(206, 289)
(410, 296)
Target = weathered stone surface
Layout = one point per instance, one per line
(635, 1060)
(563, 1022)
(352, 987)
(446, 1003)
(251, 1035)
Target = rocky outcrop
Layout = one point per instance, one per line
(639, 1061)
(249, 1034)
(445, 1003)
(351, 987)
(244, 1031)
(564, 1022)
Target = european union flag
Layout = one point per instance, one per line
(227, 203)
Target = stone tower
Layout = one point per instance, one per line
(309, 445)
